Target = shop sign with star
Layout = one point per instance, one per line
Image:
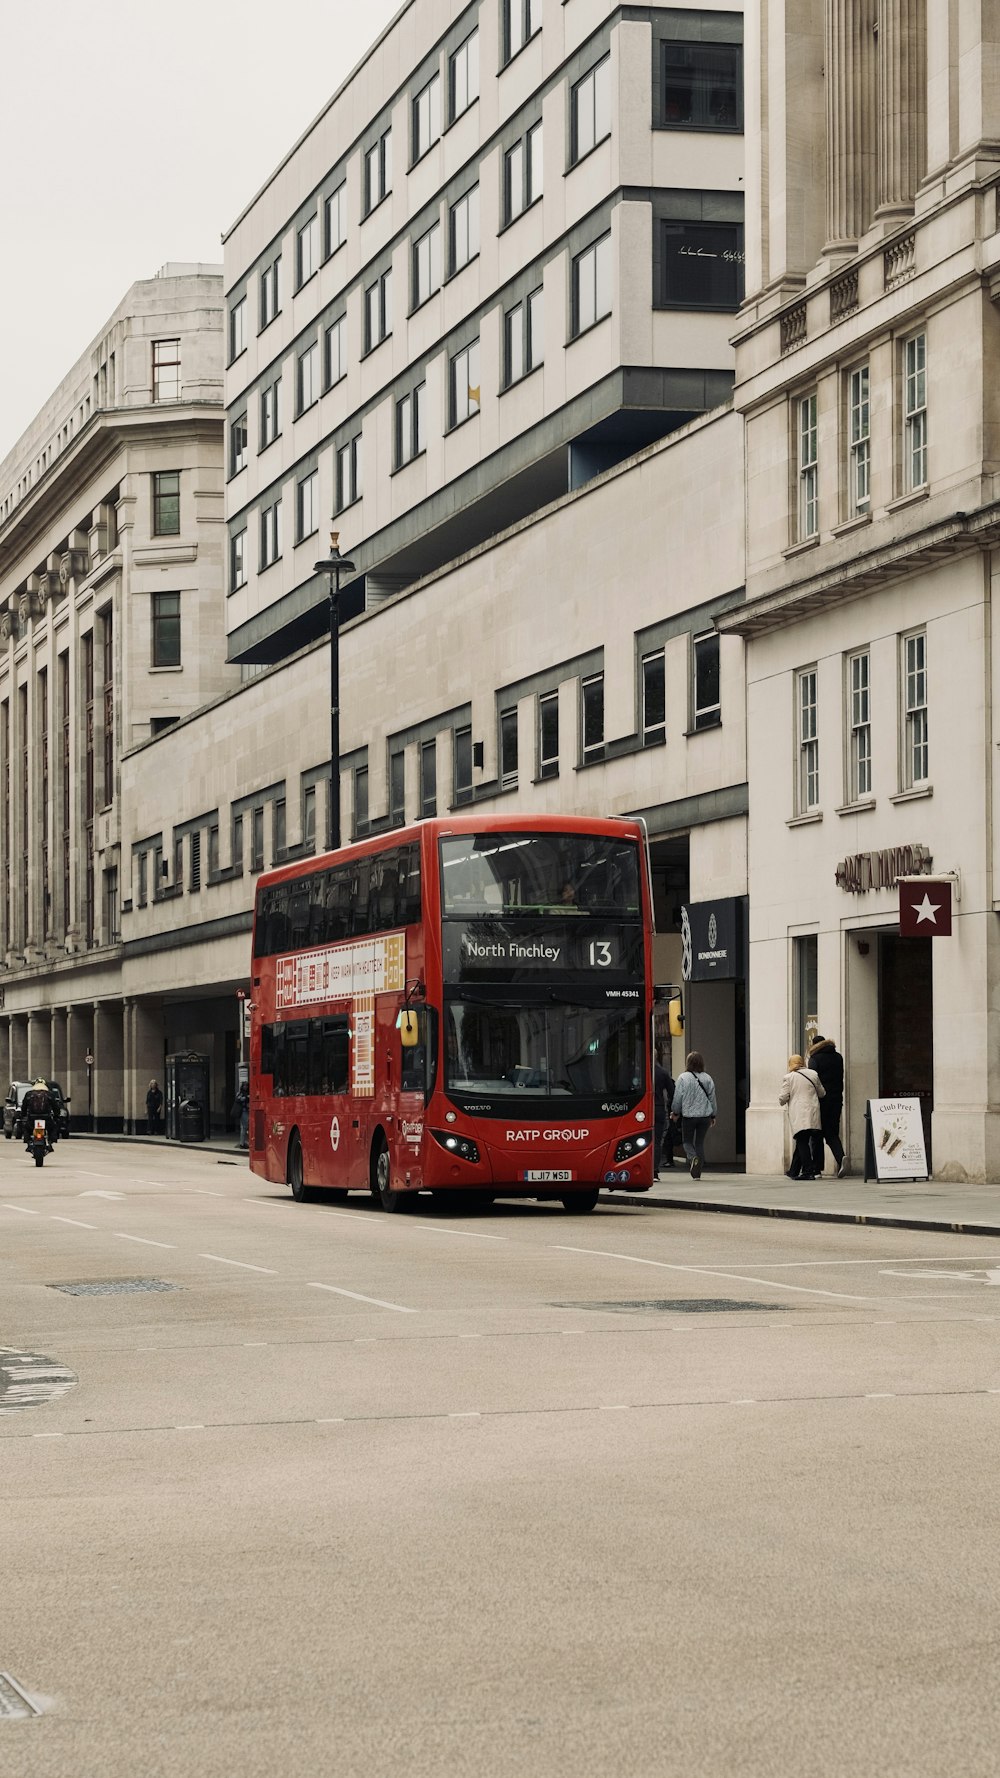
(925, 908)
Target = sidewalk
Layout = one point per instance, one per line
(932, 1204)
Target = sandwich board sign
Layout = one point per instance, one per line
(894, 1140)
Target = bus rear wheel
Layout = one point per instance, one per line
(581, 1201)
(300, 1191)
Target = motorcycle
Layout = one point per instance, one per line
(38, 1141)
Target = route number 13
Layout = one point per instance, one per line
(600, 954)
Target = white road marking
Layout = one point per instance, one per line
(146, 1242)
(72, 1220)
(467, 1414)
(475, 1336)
(192, 1426)
(980, 1275)
(23, 1209)
(332, 1420)
(48, 1435)
(614, 1407)
(256, 1342)
(99, 1194)
(358, 1298)
(703, 1272)
(242, 1263)
(199, 1192)
(438, 1228)
(930, 1259)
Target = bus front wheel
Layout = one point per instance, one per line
(300, 1191)
(581, 1201)
(381, 1182)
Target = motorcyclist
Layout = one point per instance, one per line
(38, 1103)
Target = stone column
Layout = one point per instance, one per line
(79, 1035)
(109, 1066)
(38, 1045)
(851, 110)
(59, 1016)
(18, 1047)
(902, 104)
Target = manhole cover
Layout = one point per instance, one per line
(701, 1305)
(113, 1286)
(14, 1702)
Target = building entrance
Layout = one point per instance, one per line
(906, 1023)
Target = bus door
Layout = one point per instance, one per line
(415, 1040)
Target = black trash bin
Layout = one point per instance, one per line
(192, 1121)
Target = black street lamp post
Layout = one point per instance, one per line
(335, 566)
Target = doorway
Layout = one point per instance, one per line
(906, 1023)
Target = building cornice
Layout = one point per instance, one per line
(814, 593)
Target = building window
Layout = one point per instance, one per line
(426, 263)
(360, 799)
(463, 384)
(806, 968)
(270, 413)
(426, 114)
(378, 310)
(808, 741)
(521, 20)
(166, 370)
(428, 778)
(238, 328)
(522, 339)
(257, 839)
(112, 925)
(860, 760)
(166, 503)
(463, 76)
(306, 251)
(548, 735)
(307, 506)
(707, 705)
(349, 473)
(590, 110)
(166, 629)
(463, 765)
(654, 698)
(915, 751)
(195, 861)
(859, 418)
(523, 168)
(915, 411)
(307, 378)
(238, 445)
(508, 749)
(237, 560)
(270, 534)
(309, 818)
(592, 725)
(411, 425)
(701, 265)
(397, 788)
(592, 285)
(702, 86)
(335, 352)
(335, 220)
(808, 469)
(463, 230)
(270, 293)
(377, 172)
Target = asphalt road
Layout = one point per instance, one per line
(641, 1492)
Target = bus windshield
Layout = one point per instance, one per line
(555, 1049)
(494, 874)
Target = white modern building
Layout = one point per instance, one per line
(867, 360)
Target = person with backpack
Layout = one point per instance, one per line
(695, 1105)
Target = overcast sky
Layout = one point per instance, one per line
(132, 134)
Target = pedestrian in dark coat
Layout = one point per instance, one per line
(826, 1061)
(663, 1129)
(154, 1105)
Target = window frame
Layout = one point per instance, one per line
(914, 735)
(914, 376)
(381, 289)
(455, 417)
(238, 329)
(338, 328)
(859, 440)
(348, 457)
(524, 319)
(310, 357)
(428, 798)
(238, 560)
(334, 205)
(807, 466)
(238, 458)
(652, 732)
(548, 761)
(269, 293)
(270, 415)
(170, 498)
(165, 623)
(426, 262)
(519, 193)
(507, 748)
(704, 123)
(428, 100)
(270, 535)
(307, 234)
(160, 363)
(469, 202)
(376, 157)
(585, 95)
(303, 528)
(705, 716)
(410, 425)
(580, 326)
(807, 795)
(528, 17)
(455, 110)
(593, 749)
(857, 669)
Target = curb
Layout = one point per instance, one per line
(859, 1217)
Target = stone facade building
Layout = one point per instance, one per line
(867, 359)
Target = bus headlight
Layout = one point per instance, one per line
(630, 1145)
(462, 1146)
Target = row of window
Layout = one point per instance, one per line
(856, 450)
(913, 727)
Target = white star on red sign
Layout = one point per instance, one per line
(926, 909)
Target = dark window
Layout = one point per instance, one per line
(375, 894)
(195, 861)
(238, 445)
(592, 691)
(701, 265)
(548, 736)
(463, 765)
(707, 706)
(278, 830)
(360, 799)
(508, 750)
(166, 503)
(428, 778)
(166, 629)
(257, 840)
(306, 1056)
(702, 86)
(654, 697)
(166, 370)
(397, 788)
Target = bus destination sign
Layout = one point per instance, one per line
(507, 950)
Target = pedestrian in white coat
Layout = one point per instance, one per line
(801, 1091)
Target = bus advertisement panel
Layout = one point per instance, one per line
(461, 1006)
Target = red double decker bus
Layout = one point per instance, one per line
(458, 1006)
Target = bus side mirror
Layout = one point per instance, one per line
(675, 1014)
(408, 1026)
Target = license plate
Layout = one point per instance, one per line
(548, 1176)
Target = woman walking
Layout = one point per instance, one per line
(695, 1105)
(801, 1091)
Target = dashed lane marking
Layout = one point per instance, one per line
(22, 1209)
(242, 1263)
(704, 1272)
(358, 1298)
(74, 1222)
(146, 1242)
